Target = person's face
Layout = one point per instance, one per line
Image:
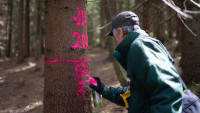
(118, 37)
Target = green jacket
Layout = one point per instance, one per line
(151, 71)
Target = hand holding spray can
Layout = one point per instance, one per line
(97, 98)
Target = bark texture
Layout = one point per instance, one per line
(190, 49)
(64, 81)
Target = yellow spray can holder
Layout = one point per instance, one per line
(125, 96)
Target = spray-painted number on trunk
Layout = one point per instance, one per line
(82, 17)
(81, 86)
(81, 71)
(83, 38)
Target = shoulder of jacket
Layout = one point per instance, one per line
(141, 40)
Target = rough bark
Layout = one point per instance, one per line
(27, 29)
(66, 87)
(9, 28)
(190, 47)
(20, 32)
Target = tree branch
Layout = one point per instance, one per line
(177, 9)
(194, 3)
(100, 28)
(186, 26)
(191, 12)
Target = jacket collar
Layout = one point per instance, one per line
(124, 46)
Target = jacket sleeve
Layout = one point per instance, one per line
(156, 76)
(113, 94)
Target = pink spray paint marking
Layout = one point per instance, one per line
(78, 40)
(78, 20)
(82, 17)
(84, 40)
(81, 71)
(81, 86)
(78, 71)
(70, 61)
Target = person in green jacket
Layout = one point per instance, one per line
(155, 85)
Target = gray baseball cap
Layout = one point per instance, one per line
(125, 18)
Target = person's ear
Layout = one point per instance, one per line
(120, 31)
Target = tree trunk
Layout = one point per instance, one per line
(20, 32)
(66, 83)
(102, 23)
(178, 33)
(146, 18)
(27, 29)
(9, 28)
(42, 26)
(128, 5)
(190, 49)
(111, 45)
(37, 46)
(170, 26)
(120, 6)
(160, 32)
(91, 26)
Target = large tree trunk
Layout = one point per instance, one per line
(27, 29)
(20, 32)
(190, 49)
(37, 46)
(10, 3)
(66, 84)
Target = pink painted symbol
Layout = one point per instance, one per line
(84, 40)
(81, 71)
(78, 71)
(85, 70)
(81, 86)
(78, 40)
(70, 61)
(82, 17)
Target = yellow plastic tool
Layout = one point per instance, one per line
(124, 96)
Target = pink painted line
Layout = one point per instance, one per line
(70, 61)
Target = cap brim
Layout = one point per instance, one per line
(109, 33)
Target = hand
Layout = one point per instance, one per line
(100, 86)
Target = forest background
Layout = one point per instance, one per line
(22, 46)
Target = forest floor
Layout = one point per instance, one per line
(21, 85)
